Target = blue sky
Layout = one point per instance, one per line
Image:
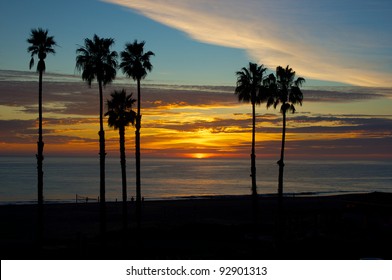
(179, 59)
(205, 42)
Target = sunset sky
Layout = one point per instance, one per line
(342, 48)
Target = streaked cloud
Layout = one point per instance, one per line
(344, 41)
(191, 120)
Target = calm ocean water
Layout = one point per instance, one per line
(174, 178)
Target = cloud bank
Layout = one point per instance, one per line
(180, 120)
(332, 40)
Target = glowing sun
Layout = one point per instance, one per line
(199, 155)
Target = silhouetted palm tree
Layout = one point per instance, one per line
(40, 44)
(285, 90)
(96, 61)
(249, 82)
(120, 116)
(135, 63)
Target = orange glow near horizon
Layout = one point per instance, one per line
(198, 124)
(200, 155)
(202, 143)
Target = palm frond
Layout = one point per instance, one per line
(120, 109)
(292, 108)
(286, 90)
(249, 81)
(40, 44)
(95, 60)
(296, 95)
(299, 82)
(31, 64)
(135, 63)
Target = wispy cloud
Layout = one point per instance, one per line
(343, 41)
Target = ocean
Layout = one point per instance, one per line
(65, 178)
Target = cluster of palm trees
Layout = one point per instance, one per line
(283, 88)
(96, 61)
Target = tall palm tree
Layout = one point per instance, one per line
(120, 116)
(40, 44)
(285, 91)
(135, 63)
(249, 83)
(96, 61)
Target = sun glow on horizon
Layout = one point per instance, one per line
(200, 155)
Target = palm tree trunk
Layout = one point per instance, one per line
(253, 154)
(281, 161)
(137, 156)
(253, 168)
(123, 176)
(280, 184)
(102, 154)
(40, 158)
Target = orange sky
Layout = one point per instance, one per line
(198, 122)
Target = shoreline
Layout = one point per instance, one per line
(193, 197)
(346, 226)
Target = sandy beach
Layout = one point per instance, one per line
(353, 226)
